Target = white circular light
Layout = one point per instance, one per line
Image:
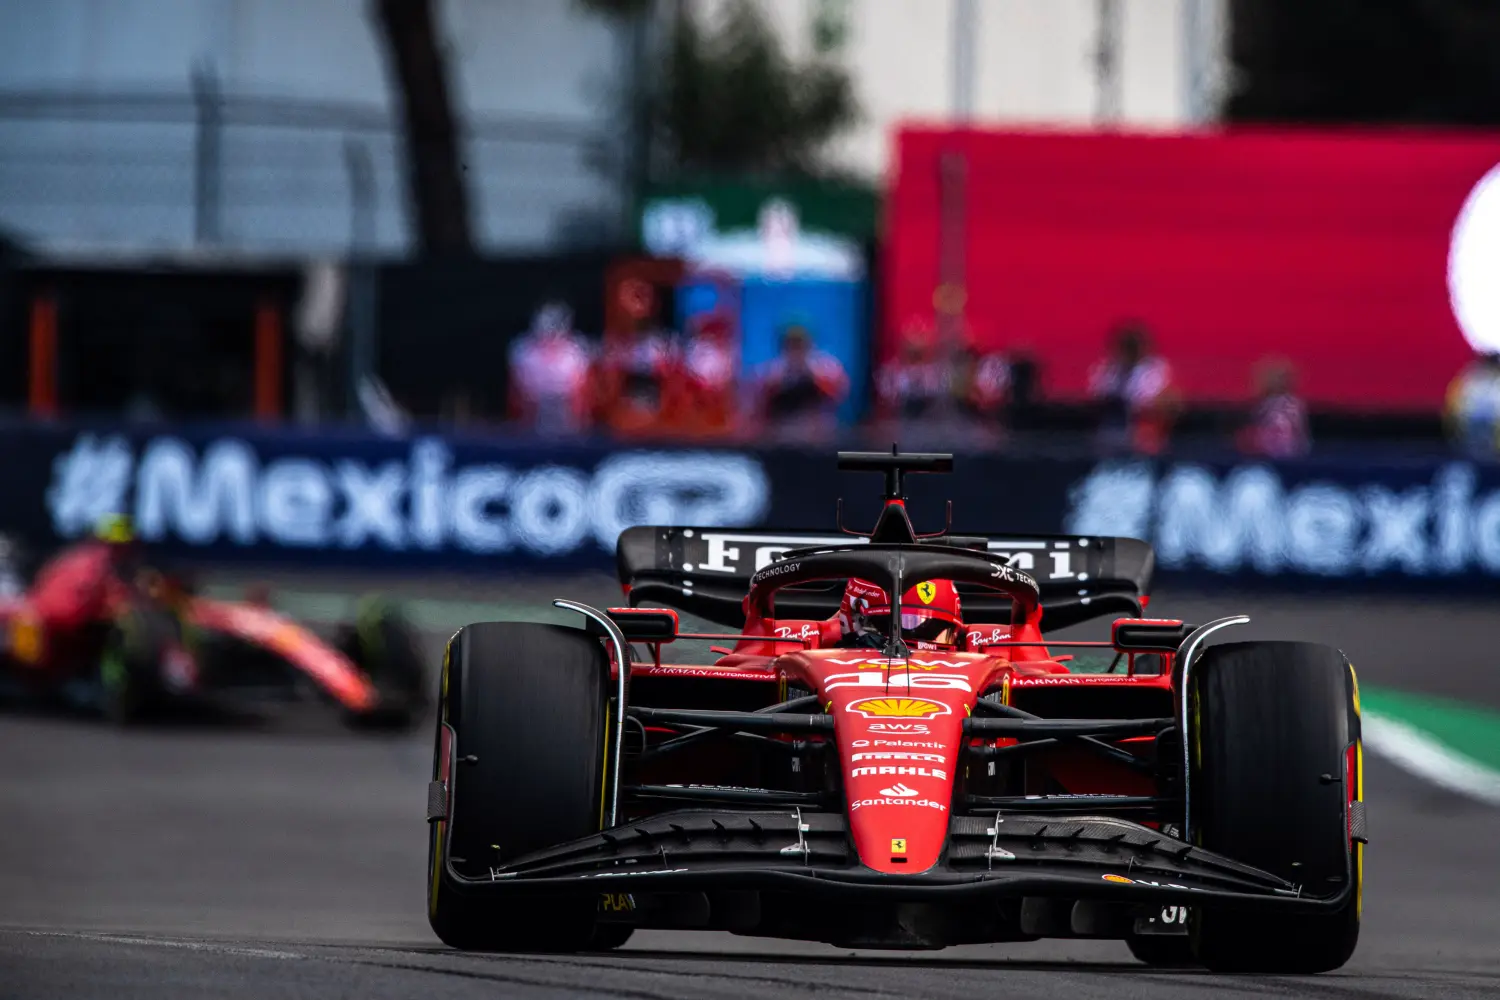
(1474, 265)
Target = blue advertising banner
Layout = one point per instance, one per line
(335, 499)
(331, 500)
(1416, 523)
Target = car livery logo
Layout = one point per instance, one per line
(896, 664)
(977, 639)
(1122, 880)
(927, 590)
(1010, 575)
(909, 681)
(897, 708)
(773, 571)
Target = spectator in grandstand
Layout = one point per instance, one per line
(1023, 389)
(637, 374)
(706, 402)
(913, 391)
(911, 386)
(1278, 425)
(981, 383)
(1472, 410)
(380, 408)
(800, 389)
(1133, 388)
(549, 374)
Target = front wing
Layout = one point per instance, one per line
(1009, 856)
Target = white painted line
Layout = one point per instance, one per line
(208, 946)
(1420, 753)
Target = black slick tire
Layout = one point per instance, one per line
(130, 664)
(527, 706)
(385, 648)
(1274, 725)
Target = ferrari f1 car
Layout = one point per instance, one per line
(897, 785)
(101, 625)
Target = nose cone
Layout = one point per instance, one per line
(899, 728)
(899, 753)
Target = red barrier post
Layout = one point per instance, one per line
(268, 353)
(43, 382)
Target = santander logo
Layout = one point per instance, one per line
(899, 791)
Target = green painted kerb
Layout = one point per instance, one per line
(1473, 732)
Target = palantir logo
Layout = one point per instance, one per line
(420, 501)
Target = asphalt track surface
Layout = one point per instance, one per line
(287, 859)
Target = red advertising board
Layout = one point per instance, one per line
(1328, 248)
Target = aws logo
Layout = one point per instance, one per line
(897, 708)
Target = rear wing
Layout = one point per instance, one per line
(706, 572)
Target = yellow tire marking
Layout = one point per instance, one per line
(439, 829)
(604, 771)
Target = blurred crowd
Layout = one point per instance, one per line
(1139, 406)
(1472, 409)
(652, 381)
(937, 390)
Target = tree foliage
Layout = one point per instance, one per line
(1366, 61)
(733, 101)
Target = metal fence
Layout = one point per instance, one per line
(206, 170)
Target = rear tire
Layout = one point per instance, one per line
(528, 701)
(384, 646)
(130, 664)
(1274, 725)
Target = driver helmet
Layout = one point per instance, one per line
(931, 617)
(115, 529)
(117, 533)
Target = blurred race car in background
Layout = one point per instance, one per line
(105, 625)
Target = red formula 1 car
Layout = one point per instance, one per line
(101, 625)
(882, 771)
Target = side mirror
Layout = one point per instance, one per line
(1149, 635)
(645, 624)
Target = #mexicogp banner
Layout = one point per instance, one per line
(339, 499)
(345, 499)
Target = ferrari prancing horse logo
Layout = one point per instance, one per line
(926, 590)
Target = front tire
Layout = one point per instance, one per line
(527, 708)
(1275, 772)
